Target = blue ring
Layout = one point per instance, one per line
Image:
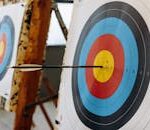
(106, 107)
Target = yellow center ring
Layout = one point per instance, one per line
(2, 47)
(105, 59)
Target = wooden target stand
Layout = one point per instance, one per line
(31, 50)
(34, 54)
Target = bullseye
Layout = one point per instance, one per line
(2, 47)
(105, 59)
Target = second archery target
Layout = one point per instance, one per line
(6, 44)
(115, 36)
(11, 18)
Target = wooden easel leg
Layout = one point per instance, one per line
(60, 19)
(46, 116)
(34, 54)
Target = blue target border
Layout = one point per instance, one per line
(7, 27)
(124, 113)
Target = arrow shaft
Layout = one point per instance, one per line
(53, 67)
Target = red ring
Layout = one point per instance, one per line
(111, 43)
(3, 38)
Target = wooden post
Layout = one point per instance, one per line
(34, 54)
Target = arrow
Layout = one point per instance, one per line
(35, 67)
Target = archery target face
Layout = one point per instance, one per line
(116, 37)
(6, 44)
(11, 17)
